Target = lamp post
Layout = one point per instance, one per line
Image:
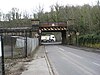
(77, 34)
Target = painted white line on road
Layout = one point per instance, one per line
(75, 55)
(96, 63)
(61, 49)
(84, 68)
(85, 71)
(71, 53)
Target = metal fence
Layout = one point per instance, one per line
(18, 46)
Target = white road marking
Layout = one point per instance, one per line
(71, 53)
(84, 68)
(61, 49)
(75, 55)
(85, 71)
(96, 63)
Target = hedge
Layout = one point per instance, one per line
(89, 39)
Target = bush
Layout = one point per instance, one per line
(89, 40)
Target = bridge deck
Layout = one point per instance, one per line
(53, 26)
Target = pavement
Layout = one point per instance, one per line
(40, 65)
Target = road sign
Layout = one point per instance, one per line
(53, 24)
(77, 33)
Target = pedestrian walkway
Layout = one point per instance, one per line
(39, 65)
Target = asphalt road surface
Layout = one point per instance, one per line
(0, 67)
(70, 61)
(50, 43)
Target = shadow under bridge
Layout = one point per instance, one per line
(54, 27)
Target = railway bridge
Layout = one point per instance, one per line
(50, 27)
(54, 27)
(37, 28)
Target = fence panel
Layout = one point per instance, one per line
(14, 46)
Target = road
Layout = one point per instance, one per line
(70, 61)
(0, 67)
(50, 43)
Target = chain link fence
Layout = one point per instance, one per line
(17, 48)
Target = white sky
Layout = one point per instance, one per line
(29, 5)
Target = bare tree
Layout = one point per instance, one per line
(25, 15)
(0, 15)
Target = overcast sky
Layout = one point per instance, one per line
(28, 5)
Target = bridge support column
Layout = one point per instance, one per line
(64, 40)
(39, 32)
(40, 39)
(30, 34)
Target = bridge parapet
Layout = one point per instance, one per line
(53, 24)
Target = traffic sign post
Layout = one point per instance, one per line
(77, 34)
(2, 55)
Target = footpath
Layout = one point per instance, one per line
(39, 65)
